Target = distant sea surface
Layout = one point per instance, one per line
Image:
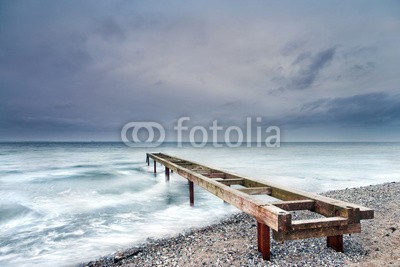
(66, 203)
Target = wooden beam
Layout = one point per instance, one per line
(306, 204)
(318, 223)
(185, 163)
(248, 182)
(230, 181)
(317, 232)
(215, 175)
(256, 190)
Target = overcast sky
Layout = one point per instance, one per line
(80, 70)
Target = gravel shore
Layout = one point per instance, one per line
(233, 241)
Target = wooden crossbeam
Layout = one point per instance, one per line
(316, 232)
(215, 175)
(306, 204)
(256, 190)
(185, 163)
(230, 181)
(318, 223)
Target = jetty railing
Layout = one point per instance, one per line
(339, 217)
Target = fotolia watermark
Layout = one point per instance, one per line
(152, 134)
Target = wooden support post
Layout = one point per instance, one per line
(263, 237)
(335, 242)
(155, 166)
(191, 193)
(147, 160)
(166, 174)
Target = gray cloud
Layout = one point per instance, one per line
(307, 66)
(359, 110)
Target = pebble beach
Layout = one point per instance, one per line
(233, 241)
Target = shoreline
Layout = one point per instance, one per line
(232, 241)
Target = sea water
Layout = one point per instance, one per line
(66, 203)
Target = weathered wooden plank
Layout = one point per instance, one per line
(250, 183)
(318, 223)
(186, 164)
(286, 194)
(256, 190)
(306, 204)
(230, 181)
(215, 175)
(317, 232)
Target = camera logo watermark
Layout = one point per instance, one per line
(153, 134)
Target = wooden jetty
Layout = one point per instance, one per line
(338, 217)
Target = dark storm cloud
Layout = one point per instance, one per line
(307, 67)
(358, 110)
